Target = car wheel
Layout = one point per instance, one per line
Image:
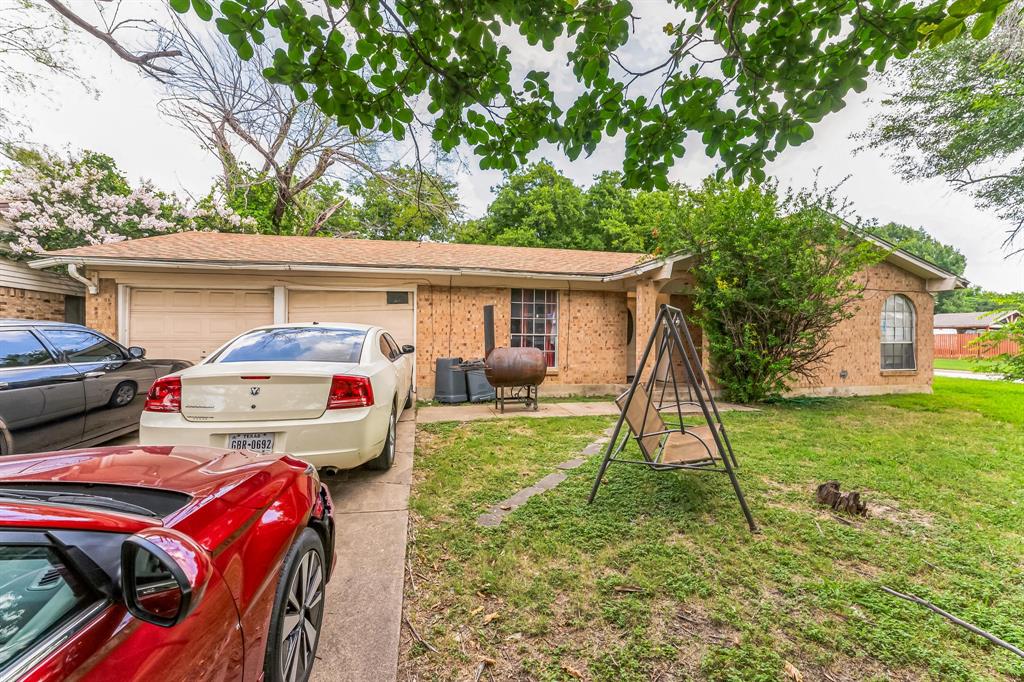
(123, 394)
(408, 399)
(386, 458)
(298, 612)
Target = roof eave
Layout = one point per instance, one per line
(177, 264)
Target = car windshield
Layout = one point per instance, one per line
(296, 344)
(37, 592)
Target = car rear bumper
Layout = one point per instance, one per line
(340, 438)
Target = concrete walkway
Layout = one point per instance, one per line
(466, 413)
(363, 616)
(962, 374)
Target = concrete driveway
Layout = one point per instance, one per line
(363, 617)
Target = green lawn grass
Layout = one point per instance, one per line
(660, 579)
(962, 364)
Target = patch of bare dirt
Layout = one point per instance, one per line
(901, 516)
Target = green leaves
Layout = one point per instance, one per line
(754, 62)
(983, 25)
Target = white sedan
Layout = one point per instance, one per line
(329, 393)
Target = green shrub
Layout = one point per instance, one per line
(774, 276)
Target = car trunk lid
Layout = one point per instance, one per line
(255, 391)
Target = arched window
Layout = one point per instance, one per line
(898, 350)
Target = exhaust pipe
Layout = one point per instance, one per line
(488, 329)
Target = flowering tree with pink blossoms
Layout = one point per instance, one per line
(49, 202)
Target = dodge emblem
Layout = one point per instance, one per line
(254, 390)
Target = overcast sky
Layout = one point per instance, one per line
(123, 121)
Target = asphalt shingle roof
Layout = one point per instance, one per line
(198, 247)
(966, 320)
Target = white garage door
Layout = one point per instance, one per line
(392, 310)
(191, 323)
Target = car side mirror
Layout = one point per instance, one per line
(137, 352)
(408, 348)
(163, 575)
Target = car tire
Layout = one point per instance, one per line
(123, 394)
(408, 400)
(386, 458)
(298, 607)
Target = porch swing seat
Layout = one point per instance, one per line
(660, 443)
(702, 447)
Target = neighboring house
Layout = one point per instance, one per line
(31, 294)
(971, 323)
(182, 295)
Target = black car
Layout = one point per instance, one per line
(64, 385)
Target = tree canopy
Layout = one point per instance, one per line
(919, 242)
(957, 113)
(60, 202)
(406, 203)
(539, 206)
(747, 78)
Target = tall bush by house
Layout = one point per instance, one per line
(775, 274)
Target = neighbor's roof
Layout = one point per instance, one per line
(210, 248)
(977, 320)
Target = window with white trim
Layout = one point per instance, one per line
(535, 321)
(898, 343)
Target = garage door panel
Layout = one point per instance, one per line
(257, 300)
(188, 299)
(360, 307)
(191, 323)
(148, 298)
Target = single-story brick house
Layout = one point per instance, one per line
(182, 295)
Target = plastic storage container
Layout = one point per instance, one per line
(479, 389)
(449, 381)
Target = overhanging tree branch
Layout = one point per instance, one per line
(144, 60)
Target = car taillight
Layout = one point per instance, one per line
(164, 395)
(349, 391)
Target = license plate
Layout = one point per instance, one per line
(257, 442)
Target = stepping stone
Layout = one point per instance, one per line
(571, 464)
(550, 481)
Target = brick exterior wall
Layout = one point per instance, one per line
(858, 341)
(101, 308)
(591, 332)
(31, 305)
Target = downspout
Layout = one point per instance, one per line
(90, 285)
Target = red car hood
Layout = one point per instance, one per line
(224, 484)
(193, 470)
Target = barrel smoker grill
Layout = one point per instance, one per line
(515, 373)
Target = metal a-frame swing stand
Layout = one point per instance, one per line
(665, 447)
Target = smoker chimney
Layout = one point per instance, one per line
(488, 329)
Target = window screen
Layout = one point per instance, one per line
(898, 333)
(535, 321)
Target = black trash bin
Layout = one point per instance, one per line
(449, 381)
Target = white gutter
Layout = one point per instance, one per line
(90, 285)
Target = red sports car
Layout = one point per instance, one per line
(161, 563)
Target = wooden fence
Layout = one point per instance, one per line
(960, 346)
